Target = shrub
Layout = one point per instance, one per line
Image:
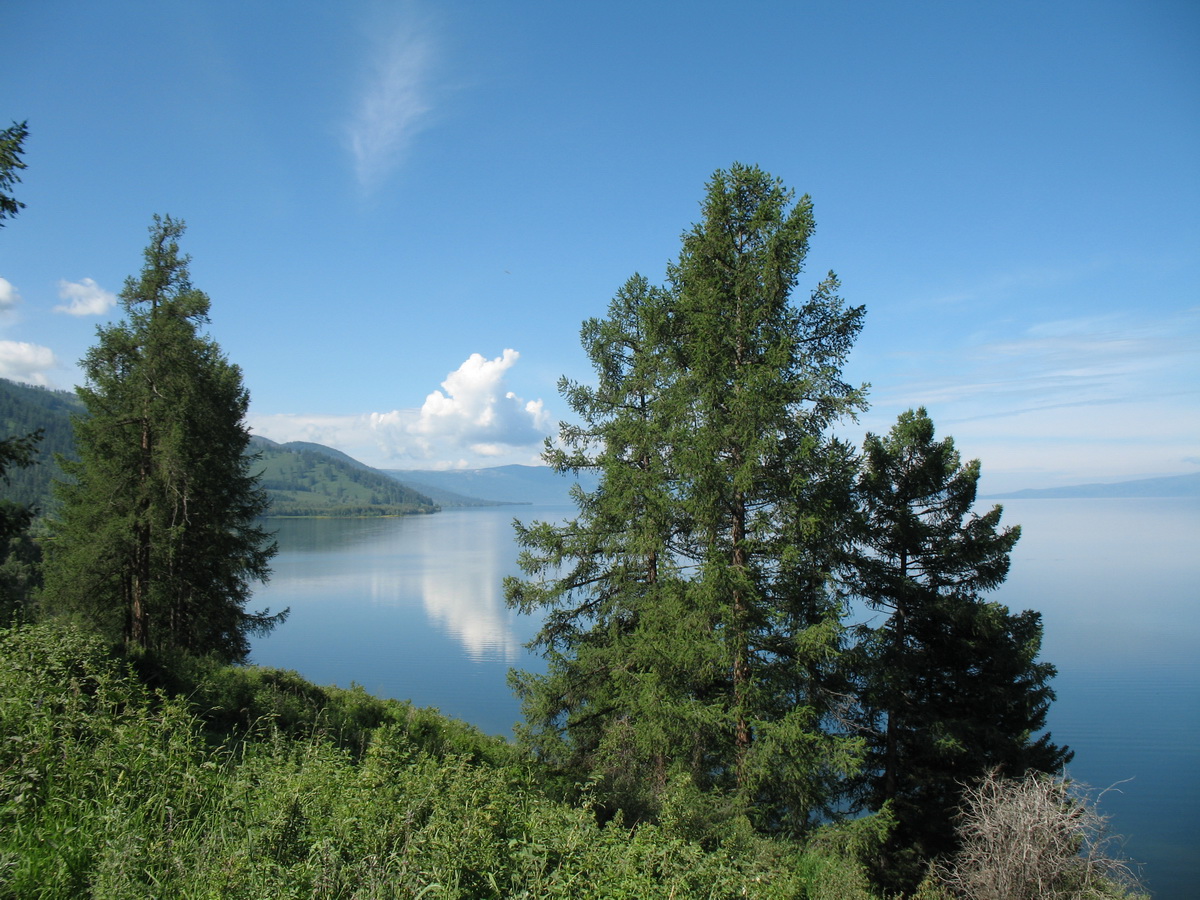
(1033, 838)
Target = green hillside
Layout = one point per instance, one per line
(310, 480)
(301, 479)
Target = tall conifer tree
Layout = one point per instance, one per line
(690, 623)
(19, 556)
(158, 540)
(610, 570)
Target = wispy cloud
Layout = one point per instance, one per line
(394, 101)
(1008, 283)
(84, 298)
(1096, 397)
(1087, 360)
(473, 420)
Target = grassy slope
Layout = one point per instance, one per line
(308, 479)
(263, 785)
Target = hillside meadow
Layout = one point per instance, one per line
(239, 782)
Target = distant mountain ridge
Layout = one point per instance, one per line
(301, 475)
(503, 484)
(1180, 486)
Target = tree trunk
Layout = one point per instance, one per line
(741, 650)
(140, 583)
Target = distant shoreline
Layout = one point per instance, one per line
(1181, 487)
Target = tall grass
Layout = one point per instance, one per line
(251, 783)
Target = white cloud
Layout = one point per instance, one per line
(394, 102)
(473, 421)
(477, 407)
(9, 296)
(21, 361)
(86, 298)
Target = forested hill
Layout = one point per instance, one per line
(300, 478)
(24, 409)
(311, 480)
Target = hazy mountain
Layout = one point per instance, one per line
(1170, 486)
(505, 484)
(321, 480)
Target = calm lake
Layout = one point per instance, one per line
(413, 608)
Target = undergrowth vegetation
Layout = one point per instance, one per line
(242, 782)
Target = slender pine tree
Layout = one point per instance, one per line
(158, 540)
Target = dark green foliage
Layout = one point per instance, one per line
(764, 488)
(952, 688)
(19, 556)
(310, 480)
(12, 141)
(690, 632)
(158, 539)
(585, 717)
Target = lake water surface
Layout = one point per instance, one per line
(413, 608)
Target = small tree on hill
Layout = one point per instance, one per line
(158, 539)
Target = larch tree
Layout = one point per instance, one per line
(607, 577)
(159, 541)
(951, 684)
(694, 590)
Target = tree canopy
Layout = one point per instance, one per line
(12, 145)
(695, 608)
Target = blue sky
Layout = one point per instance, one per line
(403, 211)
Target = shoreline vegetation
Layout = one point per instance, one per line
(141, 777)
